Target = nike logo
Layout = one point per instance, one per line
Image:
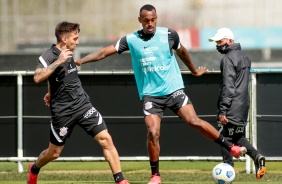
(145, 47)
(100, 119)
(117, 178)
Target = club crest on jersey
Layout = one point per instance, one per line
(63, 131)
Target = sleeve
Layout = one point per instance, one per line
(44, 60)
(40, 65)
(121, 45)
(173, 38)
(228, 85)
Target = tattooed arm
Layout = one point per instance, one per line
(43, 73)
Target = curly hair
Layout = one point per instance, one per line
(147, 7)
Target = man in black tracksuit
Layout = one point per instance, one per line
(233, 102)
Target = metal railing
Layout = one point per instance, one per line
(251, 128)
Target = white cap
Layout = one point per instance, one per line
(222, 33)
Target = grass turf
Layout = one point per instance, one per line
(184, 172)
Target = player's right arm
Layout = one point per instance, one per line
(120, 46)
(42, 73)
(97, 55)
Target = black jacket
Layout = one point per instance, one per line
(234, 100)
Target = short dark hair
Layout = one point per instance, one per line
(65, 27)
(147, 7)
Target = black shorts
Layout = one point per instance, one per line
(87, 118)
(157, 104)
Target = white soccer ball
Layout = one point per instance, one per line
(223, 174)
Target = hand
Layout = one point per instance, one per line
(77, 62)
(201, 70)
(65, 54)
(47, 99)
(223, 119)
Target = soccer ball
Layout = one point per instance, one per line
(223, 174)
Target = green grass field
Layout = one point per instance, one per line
(177, 172)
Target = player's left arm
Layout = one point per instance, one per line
(47, 96)
(183, 54)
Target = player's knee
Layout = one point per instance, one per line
(153, 134)
(51, 156)
(105, 141)
(194, 122)
(56, 154)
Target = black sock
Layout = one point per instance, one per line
(155, 168)
(34, 169)
(118, 177)
(222, 141)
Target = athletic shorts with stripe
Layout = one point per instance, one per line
(158, 104)
(87, 118)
